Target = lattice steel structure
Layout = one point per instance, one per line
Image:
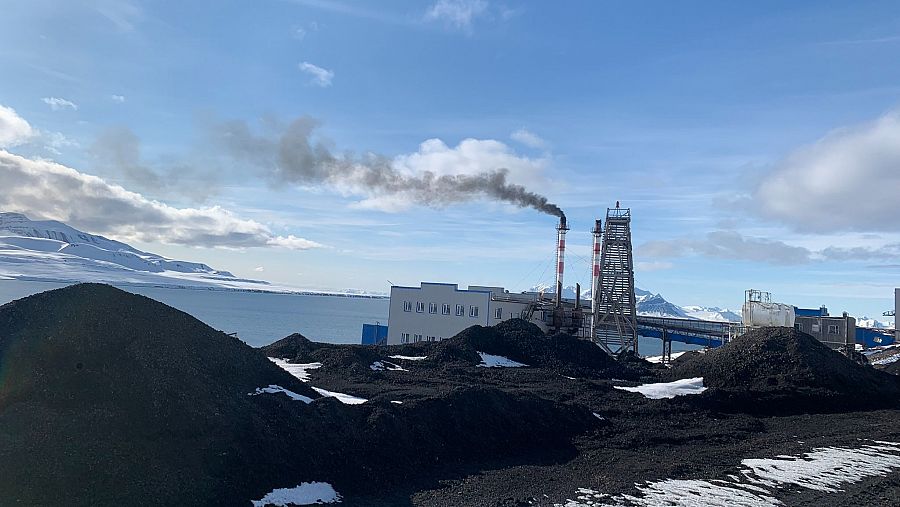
(614, 305)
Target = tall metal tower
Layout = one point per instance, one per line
(614, 307)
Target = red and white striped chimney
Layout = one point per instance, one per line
(595, 273)
(560, 257)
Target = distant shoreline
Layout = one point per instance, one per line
(195, 287)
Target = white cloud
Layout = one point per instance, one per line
(54, 142)
(528, 138)
(320, 77)
(470, 156)
(49, 190)
(57, 103)
(259, 269)
(14, 130)
(117, 98)
(848, 180)
(728, 245)
(456, 13)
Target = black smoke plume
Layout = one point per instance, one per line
(293, 155)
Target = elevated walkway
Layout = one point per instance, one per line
(695, 332)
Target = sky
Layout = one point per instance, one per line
(339, 144)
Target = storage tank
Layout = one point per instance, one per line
(760, 311)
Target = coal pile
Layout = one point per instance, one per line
(107, 396)
(349, 359)
(893, 368)
(782, 370)
(525, 343)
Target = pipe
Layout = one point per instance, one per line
(560, 257)
(595, 274)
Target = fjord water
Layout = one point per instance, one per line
(258, 318)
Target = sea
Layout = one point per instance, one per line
(258, 318)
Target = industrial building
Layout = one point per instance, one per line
(435, 311)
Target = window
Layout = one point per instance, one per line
(498, 313)
(417, 338)
(445, 309)
(460, 310)
(523, 314)
(404, 337)
(431, 338)
(432, 307)
(473, 311)
(420, 307)
(832, 329)
(815, 327)
(407, 306)
(798, 326)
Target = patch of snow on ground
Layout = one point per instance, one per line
(489, 361)
(887, 360)
(386, 365)
(397, 402)
(668, 389)
(343, 398)
(826, 468)
(307, 493)
(823, 469)
(658, 359)
(273, 389)
(301, 370)
(409, 358)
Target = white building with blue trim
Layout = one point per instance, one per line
(435, 311)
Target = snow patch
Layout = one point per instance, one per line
(274, 389)
(343, 398)
(658, 359)
(823, 469)
(397, 402)
(668, 389)
(887, 360)
(409, 358)
(306, 493)
(301, 370)
(386, 365)
(489, 361)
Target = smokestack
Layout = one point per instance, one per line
(595, 273)
(560, 256)
(578, 296)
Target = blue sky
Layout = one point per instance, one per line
(754, 142)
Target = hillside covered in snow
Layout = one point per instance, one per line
(48, 250)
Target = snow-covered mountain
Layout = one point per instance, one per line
(873, 324)
(655, 305)
(51, 250)
(711, 313)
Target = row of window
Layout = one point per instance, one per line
(832, 328)
(445, 309)
(416, 338)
